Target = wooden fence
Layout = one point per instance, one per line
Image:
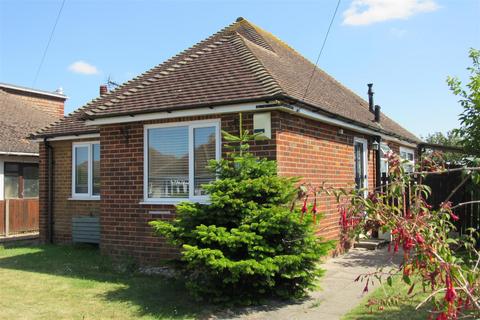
(443, 184)
(18, 216)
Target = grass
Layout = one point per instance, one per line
(404, 308)
(65, 282)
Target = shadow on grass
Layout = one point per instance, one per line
(155, 295)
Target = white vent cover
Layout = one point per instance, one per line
(262, 124)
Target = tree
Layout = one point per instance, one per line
(449, 139)
(249, 242)
(469, 132)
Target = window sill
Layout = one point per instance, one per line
(84, 198)
(173, 201)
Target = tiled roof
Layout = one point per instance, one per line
(239, 63)
(18, 119)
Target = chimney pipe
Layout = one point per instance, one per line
(377, 113)
(370, 97)
(103, 89)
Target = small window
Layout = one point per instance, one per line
(12, 181)
(86, 170)
(177, 158)
(384, 150)
(20, 180)
(408, 155)
(30, 181)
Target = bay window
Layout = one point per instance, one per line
(86, 170)
(176, 160)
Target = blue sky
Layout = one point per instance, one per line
(405, 47)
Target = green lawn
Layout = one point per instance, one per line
(64, 282)
(404, 309)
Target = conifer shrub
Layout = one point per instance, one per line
(249, 242)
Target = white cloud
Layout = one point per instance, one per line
(364, 12)
(83, 67)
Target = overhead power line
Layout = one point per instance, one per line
(321, 50)
(48, 44)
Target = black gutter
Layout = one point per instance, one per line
(347, 120)
(53, 135)
(50, 191)
(265, 99)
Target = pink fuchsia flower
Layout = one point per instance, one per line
(304, 208)
(446, 205)
(454, 216)
(419, 238)
(451, 294)
(314, 210)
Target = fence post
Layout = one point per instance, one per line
(7, 217)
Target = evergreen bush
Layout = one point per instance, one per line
(248, 242)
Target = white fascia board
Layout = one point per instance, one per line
(71, 137)
(28, 154)
(31, 90)
(246, 107)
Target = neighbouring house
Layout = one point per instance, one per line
(130, 155)
(22, 111)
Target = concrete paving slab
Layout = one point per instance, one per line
(339, 293)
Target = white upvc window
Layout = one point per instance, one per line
(86, 170)
(408, 155)
(384, 150)
(176, 159)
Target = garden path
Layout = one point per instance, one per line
(339, 292)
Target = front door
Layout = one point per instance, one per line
(360, 152)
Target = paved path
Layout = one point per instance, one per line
(339, 292)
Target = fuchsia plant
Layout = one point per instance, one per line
(445, 266)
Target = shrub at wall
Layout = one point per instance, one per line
(247, 243)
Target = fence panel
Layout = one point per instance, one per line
(23, 215)
(443, 184)
(2, 217)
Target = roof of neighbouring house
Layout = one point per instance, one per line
(239, 63)
(58, 94)
(19, 119)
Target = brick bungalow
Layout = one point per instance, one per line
(22, 110)
(130, 155)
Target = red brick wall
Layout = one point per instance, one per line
(125, 229)
(302, 147)
(318, 154)
(51, 105)
(64, 208)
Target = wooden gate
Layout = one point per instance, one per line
(19, 216)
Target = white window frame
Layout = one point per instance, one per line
(407, 151)
(88, 195)
(365, 160)
(191, 126)
(384, 158)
